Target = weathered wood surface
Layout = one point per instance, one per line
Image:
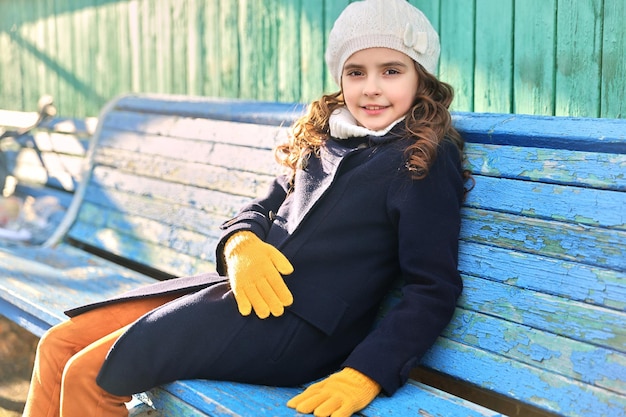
(543, 248)
(209, 398)
(562, 57)
(43, 282)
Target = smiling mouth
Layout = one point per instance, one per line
(374, 108)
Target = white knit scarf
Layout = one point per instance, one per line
(343, 126)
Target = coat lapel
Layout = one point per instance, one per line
(314, 180)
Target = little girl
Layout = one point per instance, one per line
(373, 194)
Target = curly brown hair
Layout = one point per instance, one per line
(428, 122)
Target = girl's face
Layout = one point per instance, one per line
(379, 86)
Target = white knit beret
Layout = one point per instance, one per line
(394, 24)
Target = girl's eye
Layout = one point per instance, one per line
(391, 71)
(354, 73)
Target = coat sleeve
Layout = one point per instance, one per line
(427, 215)
(255, 217)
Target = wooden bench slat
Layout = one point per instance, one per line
(580, 243)
(232, 181)
(103, 206)
(571, 204)
(235, 157)
(257, 112)
(144, 230)
(236, 399)
(141, 229)
(516, 380)
(593, 285)
(534, 347)
(44, 282)
(152, 227)
(598, 170)
(568, 133)
(416, 399)
(514, 330)
(202, 198)
(575, 320)
(245, 134)
(161, 257)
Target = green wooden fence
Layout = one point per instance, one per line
(551, 57)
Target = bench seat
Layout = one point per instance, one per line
(209, 398)
(539, 329)
(44, 281)
(49, 280)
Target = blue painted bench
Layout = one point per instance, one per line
(540, 328)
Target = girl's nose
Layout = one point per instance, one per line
(371, 87)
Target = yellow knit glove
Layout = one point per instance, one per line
(254, 271)
(339, 395)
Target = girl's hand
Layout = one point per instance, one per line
(339, 395)
(254, 271)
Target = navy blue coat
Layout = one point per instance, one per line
(352, 224)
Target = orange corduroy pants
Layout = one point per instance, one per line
(69, 357)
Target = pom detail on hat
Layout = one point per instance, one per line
(394, 24)
(418, 41)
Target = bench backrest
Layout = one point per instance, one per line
(543, 258)
(167, 171)
(543, 246)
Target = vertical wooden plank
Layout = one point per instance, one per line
(10, 73)
(98, 63)
(80, 72)
(40, 43)
(313, 45)
(332, 10)
(578, 58)
(494, 58)
(533, 72)
(118, 14)
(164, 39)
(31, 55)
(432, 10)
(94, 58)
(52, 48)
(257, 50)
(456, 64)
(210, 49)
(288, 23)
(159, 32)
(134, 44)
(613, 87)
(228, 44)
(178, 48)
(5, 47)
(194, 16)
(248, 65)
(110, 49)
(65, 100)
(149, 72)
(269, 48)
